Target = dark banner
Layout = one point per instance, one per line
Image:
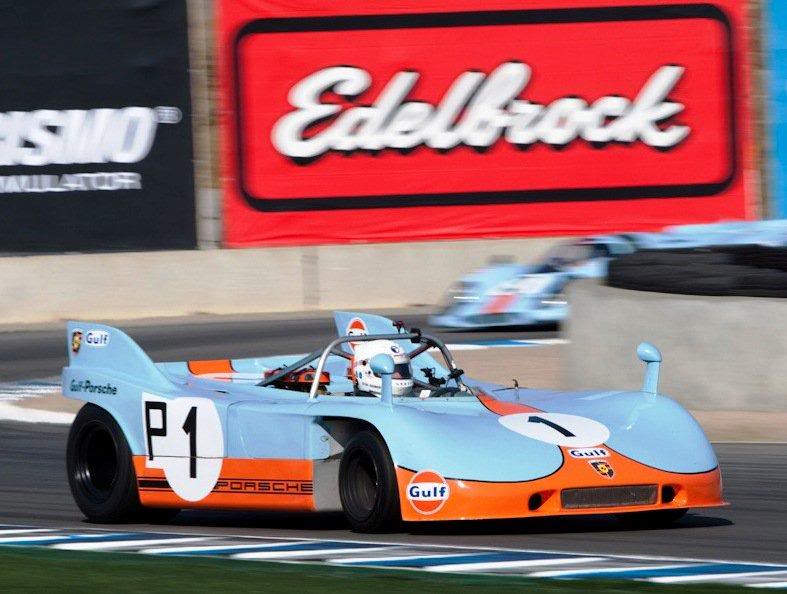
(95, 138)
(358, 121)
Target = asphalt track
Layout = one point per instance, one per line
(34, 491)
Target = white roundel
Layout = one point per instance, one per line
(183, 437)
(557, 428)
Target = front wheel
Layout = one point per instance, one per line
(652, 519)
(367, 484)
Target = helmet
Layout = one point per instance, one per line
(365, 379)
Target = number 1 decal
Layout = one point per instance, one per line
(557, 428)
(190, 427)
(554, 426)
(184, 438)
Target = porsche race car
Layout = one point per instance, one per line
(431, 444)
(505, 294)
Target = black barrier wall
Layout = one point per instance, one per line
(95, 138)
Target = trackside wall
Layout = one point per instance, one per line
(720, 353)
(149, 284)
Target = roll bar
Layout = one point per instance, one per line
(323, 354)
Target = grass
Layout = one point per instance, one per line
(47, 570)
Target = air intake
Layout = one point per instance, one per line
(609, 496)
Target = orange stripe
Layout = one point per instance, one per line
(500, 303)
(210, 366)
(502, 408)
(255, 484)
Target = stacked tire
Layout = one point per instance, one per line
(751, 271)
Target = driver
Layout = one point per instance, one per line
(365, 379)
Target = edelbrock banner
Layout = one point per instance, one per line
(95, 138)
(354, 121)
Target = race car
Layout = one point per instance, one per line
(509, 294)
(506, 294)
(390, 430)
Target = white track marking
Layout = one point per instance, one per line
(36, 539)
(393, 558)
(119, 544)
(301, 553)
(9, 412)
(29, 389)
(463, 347)
(484, 566)
(24, 531)
(216, 547)
(767, 585)
(710, 577)
(616, 569)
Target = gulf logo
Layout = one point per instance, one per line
(356, 327)
(427, 492)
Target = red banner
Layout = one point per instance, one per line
(518, 118)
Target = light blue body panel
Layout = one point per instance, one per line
(455, 435)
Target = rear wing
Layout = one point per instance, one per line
(101, 348)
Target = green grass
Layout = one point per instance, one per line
(46, 570)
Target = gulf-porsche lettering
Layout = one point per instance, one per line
(588, 453)
(427, 492)
(97, 338)
(477, 110)
(89, 387)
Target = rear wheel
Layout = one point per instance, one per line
(101, 472)
(652, 519)
(367, 484)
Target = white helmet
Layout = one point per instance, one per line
(366, 380)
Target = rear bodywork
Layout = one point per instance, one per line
(203, 434)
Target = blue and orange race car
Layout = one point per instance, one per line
(510, 294)
(380, 423)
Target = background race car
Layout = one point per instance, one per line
(509, 294)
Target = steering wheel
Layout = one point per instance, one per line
(444, 390)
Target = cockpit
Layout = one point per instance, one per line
(415, 373)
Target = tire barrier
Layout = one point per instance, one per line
(750, 270)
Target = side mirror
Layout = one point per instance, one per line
(383, 365)
(651, 356)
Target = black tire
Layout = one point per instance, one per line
(101, 471)
(652, 519)
(367, 484)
